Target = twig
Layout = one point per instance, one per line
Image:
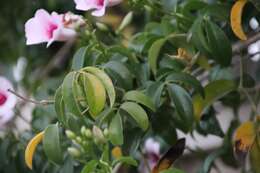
(241, 45)
(41, 102)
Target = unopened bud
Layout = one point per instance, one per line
(82, 130)
(102, 26)
(106, 133)
(88, 133)
(70, 134)
(126, 21)
(79, 140)
(98, 135)
(74, 152)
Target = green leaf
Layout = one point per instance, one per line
(154, 52)
(182, 102)
(186, 79)
(137, 113)
(126, 160)
(139, 97)
(68, 95)
(155, 92)
(90, 166)
(79, 58)
(104, 78)
(95, 93)
(219, 43)
(121, 70)
(116, 130)
(59, 106)
(213, 91)
(198, 36)
(210, 160)
(173, 170)
(51, 144)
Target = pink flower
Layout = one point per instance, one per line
(99, 6)
(152, 155)
(45, 27)
(7, 101)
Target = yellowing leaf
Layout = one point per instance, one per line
(116, 152)
(95, 93)
(30, 149)
(244, 138)
(236, 17)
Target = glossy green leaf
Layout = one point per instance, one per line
(125, 160)
(51, 144)
(139, 97)
(70, 101)
(119, 69)
(137, 113)
(79, 58)
(186, 79)
(95, 93)
(213, 91)
(104, 78)
(183, 103)
(116, 130)
(59, 106)
(220, 46)
(198, 36)
(155, 92)
(153, 53)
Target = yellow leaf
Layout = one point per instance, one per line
(244, 138)
(30, 149)
(236, 17)
(116, 152)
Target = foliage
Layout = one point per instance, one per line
(124, 82)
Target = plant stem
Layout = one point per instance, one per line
(41, 102)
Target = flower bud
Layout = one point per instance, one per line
(106, 132)
(79, 140)
(98, 135)
(88, 133)
(73, 21)
(126, 21)
(102, 27)
(74, 152)
(70, 134)
(82, 130)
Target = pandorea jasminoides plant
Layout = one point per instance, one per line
(7, 101)
(123, 86)
(45, 27)
(98, 6)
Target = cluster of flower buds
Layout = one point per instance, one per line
(85, 138)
